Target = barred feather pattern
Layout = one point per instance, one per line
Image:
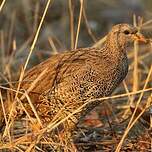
(74, 77)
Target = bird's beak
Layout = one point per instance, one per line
(139, 37)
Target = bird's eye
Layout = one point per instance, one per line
(126, 32)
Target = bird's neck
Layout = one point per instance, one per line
(115, 49)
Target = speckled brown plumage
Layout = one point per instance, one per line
(74, 77)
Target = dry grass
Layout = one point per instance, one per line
(29, 134)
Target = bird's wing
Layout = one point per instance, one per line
(47, 73)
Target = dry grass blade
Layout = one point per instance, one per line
(27, 114)
(100, 42)
(29, 149)
(127, 91)
(88, 27)
(36, 16)
(2, 51)
(135, 72)
(129, 97)
(147, 23)
(10, 119)
(33, 109)
(10, 89)
(123, 95)
(131, 122)
(4, 114)
(10, 32)
(55, 51)
(3, 108)
(79, 22)
(28, 99)
(2, 5)
(71, 23)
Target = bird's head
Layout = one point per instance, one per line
(122, 34)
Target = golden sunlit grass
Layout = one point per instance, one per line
(35, 132)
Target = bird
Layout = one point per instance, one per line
(73, 78)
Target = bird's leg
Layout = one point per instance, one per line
(65, 137)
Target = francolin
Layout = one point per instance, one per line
(73, 78)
